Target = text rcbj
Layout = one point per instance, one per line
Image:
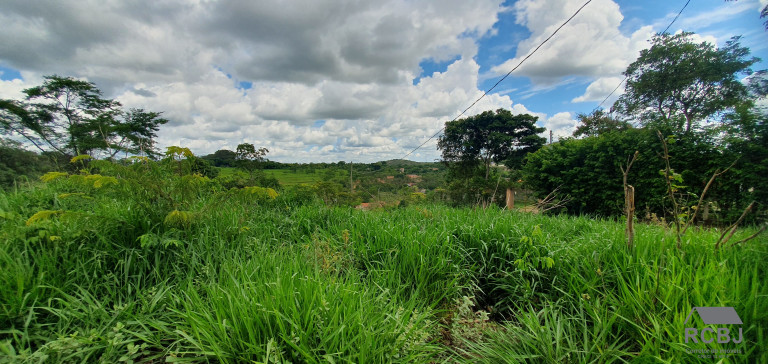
(714, 316)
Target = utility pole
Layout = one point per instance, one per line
(351, 189)
(550, 137)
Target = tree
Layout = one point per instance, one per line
(70, 117)
(680, 82)
(597, 123)
(490, 137)
(135, 133)
(250, 158)
(222, 158)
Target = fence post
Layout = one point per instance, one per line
(629, 202)
(510, 199)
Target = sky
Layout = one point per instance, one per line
(360, 81)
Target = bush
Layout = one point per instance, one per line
(588, 170)
(17, 164)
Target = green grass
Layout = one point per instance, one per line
(286, 177)
(262, 280)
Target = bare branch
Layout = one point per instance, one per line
(732, 228)
(703, 193)
(759, 231)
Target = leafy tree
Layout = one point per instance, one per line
(135, 134)
(490, 137)
(588, 171)
(681, 82)
(250, 158)
(746, 141)
(222, 158)
(70, 116)
(598, 123)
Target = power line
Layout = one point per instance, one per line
(503, 78)
(625, 77)
(677, 16)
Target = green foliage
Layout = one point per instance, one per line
(333, 193)
(248, 157)
(222, 158)
(469, 146)
(17, 165)
(153, 266)
(679, 82)
(498, 137)
(598, 123)
(588, 170)
(70, 117)
(162, 267)
(232, 178)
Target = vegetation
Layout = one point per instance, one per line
(69, 116)
(471, 145)
(712, 134)
(679, 82)
(234, 258)
(148, 262)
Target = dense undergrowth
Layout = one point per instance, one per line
(147, 263)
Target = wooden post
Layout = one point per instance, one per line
(630, 206)
(510, 199)
(629, 201)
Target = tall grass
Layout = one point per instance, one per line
(253, 280)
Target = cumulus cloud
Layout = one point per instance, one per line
(561, 124)
(350, 65)
(309, 80)
(590, 45)
(600, 89)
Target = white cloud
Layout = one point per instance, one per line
(589, 45)
(600, 89)
(349, 64)
(723, 13)
(562, 125)
(367, 121)
(11, 89)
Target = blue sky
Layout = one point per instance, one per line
(332, 80)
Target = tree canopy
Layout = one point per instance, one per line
(71, 117)
(498, 137)
(598, 123)
(680, 81)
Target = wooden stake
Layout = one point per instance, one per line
(630, 206)
(510, 199)
(629, 201)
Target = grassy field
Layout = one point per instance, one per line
(143, 267)
(286, 177)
